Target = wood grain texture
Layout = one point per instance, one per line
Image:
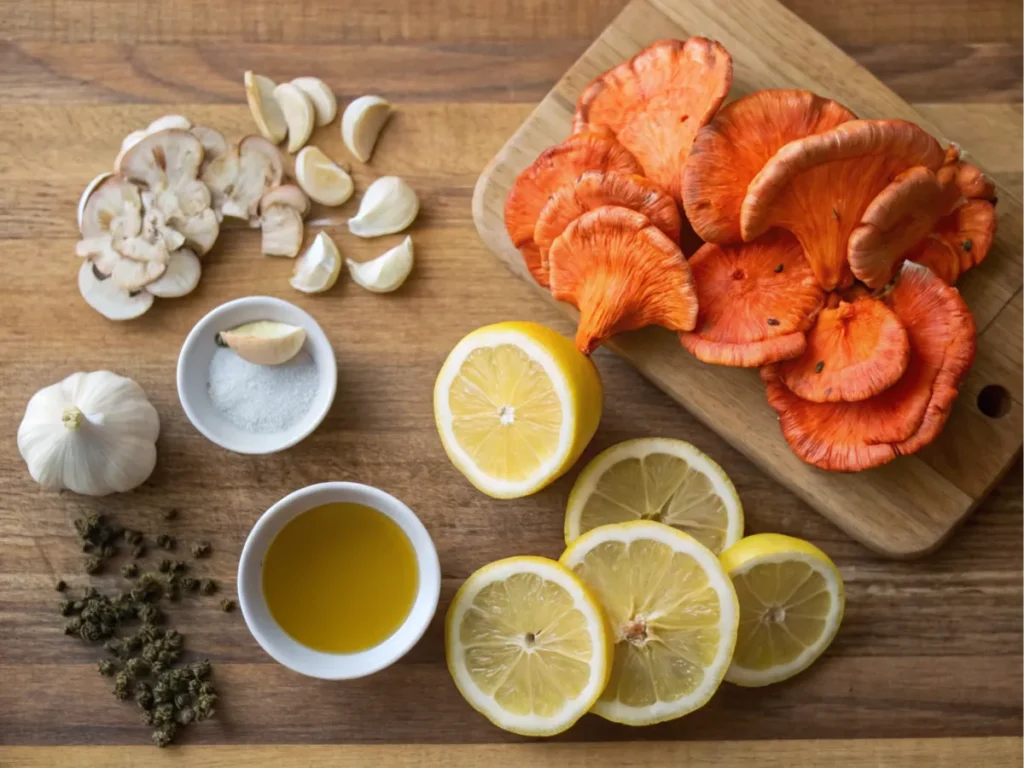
(910, 506)
(927, 649)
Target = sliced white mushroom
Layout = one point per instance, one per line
(321, 178)
(143, 251)
(385, 273)
(132, 275)
(286, 194)
(110, 300)
(106, 203)
(100, 252)
(282, 231)
(89, 189)
(298, 114)
(200, 231)
(362, 123)
(162, 160)
(259, 91)
(389, 205)
(213, 141)
(181, 278)
(324, 103)
(179, 122)
(127, 143)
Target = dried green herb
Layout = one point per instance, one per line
(179, 566)
(139, 550)
(190, 583)
(227, 605)
(107, 668)
(165, 565)
(132, 537)
(93, 564)
(170, 514)
(61, 585)
(207, 587)
(165, 541)
(129, 570)
(200, 549)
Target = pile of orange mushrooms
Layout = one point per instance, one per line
(830, 249)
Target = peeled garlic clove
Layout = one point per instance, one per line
(264, 342)
(298, 114)
(168, 121)
(181, 278)
(259, 92)
(387, 272)
(282, 231)
(389, 206)
(324, 103)
(88, 191)
(362, 123)
(318, 268)
(321, 178)
(110, 300)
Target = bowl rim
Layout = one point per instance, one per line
(333, 666)
(327, 372)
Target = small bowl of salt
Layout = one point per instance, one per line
(251, 408)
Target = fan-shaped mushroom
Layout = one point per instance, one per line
(239, 178)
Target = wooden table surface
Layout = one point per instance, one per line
(927, 666)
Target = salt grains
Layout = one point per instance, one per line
(262, 398)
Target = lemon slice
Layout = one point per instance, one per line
(515, 405)
(656, 478)
(791, 600)
(318, 268)
(321, 178)
(673, 617)
(264, 342)
(527, 645)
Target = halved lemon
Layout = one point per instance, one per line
(660, 479)
(673, 616)
(515, 405)
(527, 645)
(791, 599)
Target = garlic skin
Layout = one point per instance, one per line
(389, 206)
(92, 433)
(387, 272)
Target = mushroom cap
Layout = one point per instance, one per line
(849, 437)
(970, 229)
(594, 189)
(286, 194)
(213, 141)
(854, 351)
(936, 253)
(622, 273)
(556, 167)
(973, 183)
(730, 151)
(106, 204)
(657, 101)
(239, 178)
(756, 301)
(162, 160)
(818, 187)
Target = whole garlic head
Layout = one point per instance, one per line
(389, 206)
(387, 272)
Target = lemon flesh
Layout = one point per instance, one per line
(527, 645)
(673, 616)
(791, 600)
(660, 479)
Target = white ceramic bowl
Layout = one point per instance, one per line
(194, 364)
(335, 666)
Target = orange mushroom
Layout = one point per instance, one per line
(657, 101)
(755, 301)
(730, 151)
(818, 187)
(554, 168)
(939, 256)
(622, 273)
(854, 351)
(595, 189)
(849, 437)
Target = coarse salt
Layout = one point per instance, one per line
(262, 398)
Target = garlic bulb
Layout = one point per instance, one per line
(389, 206)
(93, 433)
(385, 273)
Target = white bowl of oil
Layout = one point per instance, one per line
(338, 580)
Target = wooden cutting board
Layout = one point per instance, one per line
(910, 506)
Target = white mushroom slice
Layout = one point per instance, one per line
(213, 141)
(127, 143)
(181, 277)
(298, 114)
(107, 203)
(144, 251)
(200, 231)
(385, 273)
(162, 160)
(237, 180)
(321, 178)
(324, 103)
(178, 122)
(132, 275)
(220, 177)
(362, 123)
(389, 205)
(259, 91)
(100, 251)
(282, 231)
(286, 194)
(90, 188)
(110, 300)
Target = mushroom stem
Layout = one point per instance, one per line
(72, 417)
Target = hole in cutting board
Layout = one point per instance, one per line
(994, 401)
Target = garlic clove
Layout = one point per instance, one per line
(264, 342)
(389, 205)
(259, 92)
(322, 97)
(110, 300)
(89, 189)
(282, 231)
(298, 114)
(286, 194)
(385, 273)
(181, 278)
(321, 178)
(318, 268)
(362, 123)
(178, 122)
(132, 275)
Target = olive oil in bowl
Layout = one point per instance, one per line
(340, 577)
